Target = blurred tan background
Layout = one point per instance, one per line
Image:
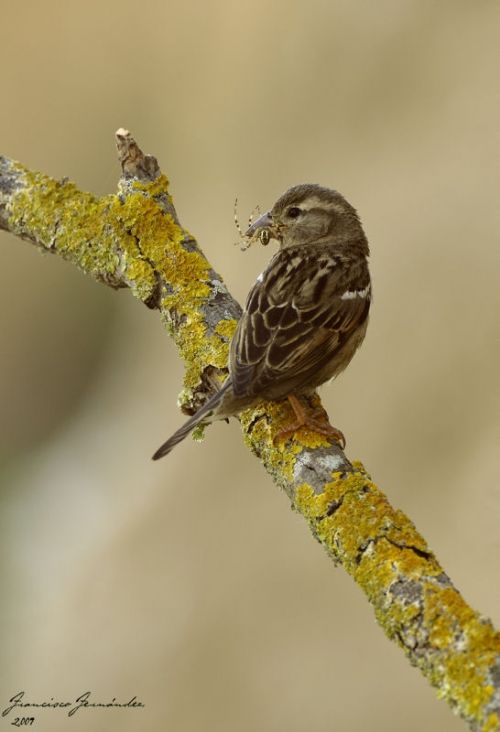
(190, 583)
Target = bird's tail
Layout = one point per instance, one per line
(205, 411)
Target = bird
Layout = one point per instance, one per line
(305, 316)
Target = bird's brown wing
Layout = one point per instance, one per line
(298, 316)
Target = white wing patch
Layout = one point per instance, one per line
(352, 294)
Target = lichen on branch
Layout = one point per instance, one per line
(134, 239)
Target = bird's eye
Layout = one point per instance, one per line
(293, 212)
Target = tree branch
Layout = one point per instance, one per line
(134, 239)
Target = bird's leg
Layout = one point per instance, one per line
(316, 422)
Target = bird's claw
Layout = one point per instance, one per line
(316, 422)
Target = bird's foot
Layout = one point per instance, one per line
(316, 422)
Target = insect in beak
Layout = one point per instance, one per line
(260, 227)
(264, 237)
(257, 231)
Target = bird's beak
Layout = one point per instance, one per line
(260, 228)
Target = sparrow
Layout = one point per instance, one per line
(305, 316)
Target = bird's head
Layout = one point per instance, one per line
(307, 214)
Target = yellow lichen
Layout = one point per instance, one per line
(363, 518)
(278, 452)
(492, 724)
(226, 328)
(128, 237)
(461, 677)
(61, 217)
(262, 419)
